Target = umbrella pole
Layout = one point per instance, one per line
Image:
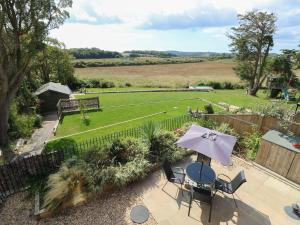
(201, 170)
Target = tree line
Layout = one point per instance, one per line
(93, 53)
(137, 53)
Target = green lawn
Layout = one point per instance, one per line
(118, 108)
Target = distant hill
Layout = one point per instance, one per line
(198, 54)
(139, 53)
(93, 53)
(173, 53)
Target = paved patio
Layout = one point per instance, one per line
(263, 200)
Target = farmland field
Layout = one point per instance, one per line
(170, 75)
(132, 107)
(152, 60)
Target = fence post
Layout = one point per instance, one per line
(260, 122)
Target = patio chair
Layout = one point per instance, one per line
(175, 175)
(203, 158)
(202, 196)
(230, 186)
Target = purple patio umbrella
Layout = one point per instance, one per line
(211, 143)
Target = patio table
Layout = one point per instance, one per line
(200, 173)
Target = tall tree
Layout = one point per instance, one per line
(251, 42)
(54, 63)
(284, 65)
(24, 26)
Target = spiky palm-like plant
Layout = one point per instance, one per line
(66, 187)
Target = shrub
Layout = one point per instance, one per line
(163, 146)
(67, 145)
(208, 109)
(214, 84)
(127, 84)
(107, 84)
(20, 125)
(38, 121)
(227, 85)
(131, 171)
(67, 186)
(149, 131)
(97, 156)
(283, 113)
(94, 83)
(99, 177)
(125, 150)
(226, 129)
(251, 142)
(238, 86)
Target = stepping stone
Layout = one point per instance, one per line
(139, 214)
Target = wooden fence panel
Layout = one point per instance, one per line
(14, 175)
(279, 161)
(294, 173)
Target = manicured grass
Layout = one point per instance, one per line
(117, 108)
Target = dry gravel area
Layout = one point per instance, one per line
(113, 209)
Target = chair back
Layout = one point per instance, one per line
(203, 158)
(168, 170)
(238, 181)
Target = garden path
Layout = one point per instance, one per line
(35, 144)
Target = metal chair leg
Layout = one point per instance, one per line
(190, 204)
(181, 191)
(234, 201)
(210, 209)
(164, 186)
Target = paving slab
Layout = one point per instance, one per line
(261, 200)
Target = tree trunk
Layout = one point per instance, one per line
(253, 91)
(4, 112)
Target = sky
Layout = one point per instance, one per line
(183, 25)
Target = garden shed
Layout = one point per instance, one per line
(49, 94)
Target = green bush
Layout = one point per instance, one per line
(20, 125)
(214, 84)
(127, 84)
(125, 150)
(67, 145)
(283, 113)
(163, 146)
(97, 156)
(251, 142)
(222, 85)
(107, 84)
(97, 83)
(226, 129)
(38, 121)
(131, 171)
(208, 109)
(227, 85)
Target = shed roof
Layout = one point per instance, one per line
(57, 87)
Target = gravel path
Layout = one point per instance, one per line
(38, 138)
(113, 209)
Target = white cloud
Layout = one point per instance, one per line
(108, 37)
(116, 24)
